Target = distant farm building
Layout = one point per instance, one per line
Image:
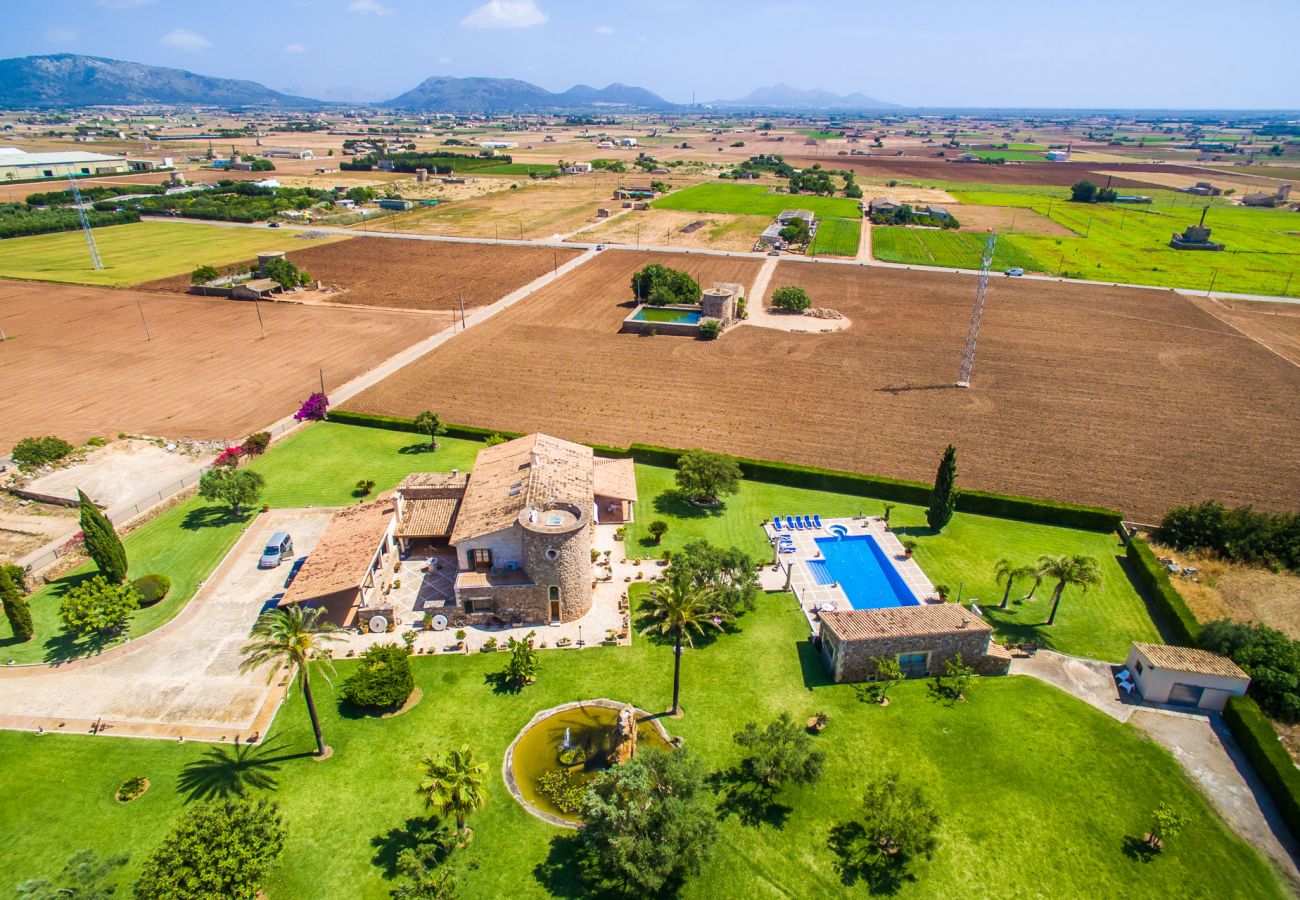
(1183, 676)
(395, 203)
(1058, 155)
(1265, 198)
(287, 153)
(1202, 189)
(627, 142)
(19, 165)
(579, 168)
(635, 192)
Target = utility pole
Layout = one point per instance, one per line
(1286, 292)
(462, 312)
(258, 307)
(322, 381)
(555, 263)
(147, 335)
(1213, 276)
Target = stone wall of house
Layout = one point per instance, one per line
(851, 660)
(561, 560)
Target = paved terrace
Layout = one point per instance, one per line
(815, 597)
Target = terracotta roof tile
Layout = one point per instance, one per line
(528, 471)
(1188, 659)
(903, 621)
(428, 517)
(343, 553)
(614, 478)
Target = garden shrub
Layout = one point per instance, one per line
(30, 452)
(1242, 534)
(791, 298)
(256, 443)
(710, 329)
(1269, 657)
(1270, 759)
(383, 680)
(151, 588)
(131, 788)
(313, 409)
(659, 285)
(1154, 582)
(98, 606)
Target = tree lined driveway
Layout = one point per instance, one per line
(181, 680)
(1199, 741)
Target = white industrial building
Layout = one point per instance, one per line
(19, 165)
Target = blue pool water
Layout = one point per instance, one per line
(864, 572)
(668, 314)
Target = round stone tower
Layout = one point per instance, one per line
(557, 555)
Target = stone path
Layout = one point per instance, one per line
(864, 244)
(1199, 741)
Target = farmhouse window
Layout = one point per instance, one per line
(482, 558)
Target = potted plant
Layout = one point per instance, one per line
(909, 547)
(489, 645)
(427, 621)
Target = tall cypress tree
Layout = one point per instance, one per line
(17, 611)
(102, 543)
(943, 499)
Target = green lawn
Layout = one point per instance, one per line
(1015, 155)
(140, 252)
(1122, 242)
(754, 200)
(1038, 792)
(1099, 624)
(947, 248)
(318, 466)
(838, 237)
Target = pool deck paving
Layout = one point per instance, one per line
(816, 598)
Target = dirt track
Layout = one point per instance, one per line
(1131, 398)
(415, 274)
(77, 362)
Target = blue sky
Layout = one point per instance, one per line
(1045, 53)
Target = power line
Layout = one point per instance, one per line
(976, 315)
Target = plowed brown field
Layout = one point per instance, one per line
(78, 364)
(1062, 173)
(1130, 398)
(413, 274)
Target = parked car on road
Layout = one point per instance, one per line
(278, 549)
(1016, 272)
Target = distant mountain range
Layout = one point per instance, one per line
(65, 79)
(68, 80)
(495, 95)
(783, 96)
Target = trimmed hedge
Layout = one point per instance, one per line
(1160, 591)
(1090, 518)
(1259, 741)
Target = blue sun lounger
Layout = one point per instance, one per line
(789, 523)
(817, 521)
(807, 522)
(776, 523)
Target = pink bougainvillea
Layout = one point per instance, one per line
(229, 457)
(313, 409)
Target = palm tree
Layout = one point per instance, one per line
(677, 609)
(454, 784)
(1081, 570)
(1007, 571)
(291, 637)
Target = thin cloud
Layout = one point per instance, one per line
(505, 14)
(184, 39)
(604, 29)
(293, 48)
(368, 8)
(58, 35)
(443, 60)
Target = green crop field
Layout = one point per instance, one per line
(821, 135)
(837, 237)
(754, 200)
(517, 169)
(1127, 243)
(1014, 155)
(950, 249)
(141, 252)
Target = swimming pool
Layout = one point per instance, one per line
(863, 571)
(668, 314)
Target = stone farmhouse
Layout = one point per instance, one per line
(519, 524)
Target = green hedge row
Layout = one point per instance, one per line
(1162, 594)
(1258, 740)
(1090, 518)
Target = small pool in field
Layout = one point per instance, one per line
(667, 314)
(863, 571)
